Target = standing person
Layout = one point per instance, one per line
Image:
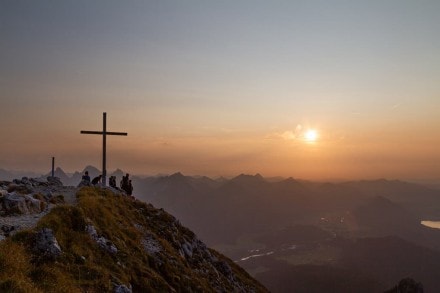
(96, 180)
(125, 182)
(122, 182)
(129, 188)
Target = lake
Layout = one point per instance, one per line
(431, 224)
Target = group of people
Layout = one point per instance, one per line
(125, 183)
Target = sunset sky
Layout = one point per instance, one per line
(223, 87)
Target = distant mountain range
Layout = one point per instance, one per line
(10, 175)
(72, 179)
(293, 234)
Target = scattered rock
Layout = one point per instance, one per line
(54, 181)
(47, 244)
(100, 240)
(24, 201)
(33, 204)
(151, 245)
(122, 289)
(13, 203)
(8, 230)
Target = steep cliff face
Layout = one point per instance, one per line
(111, 243)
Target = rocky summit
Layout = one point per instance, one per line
(107, 242)
(24, 201)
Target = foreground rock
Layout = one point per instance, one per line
(46, 244)
(24, 201)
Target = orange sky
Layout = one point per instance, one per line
(223, 88)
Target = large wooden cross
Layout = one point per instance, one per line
(104, 134)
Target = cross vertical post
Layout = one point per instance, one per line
(104, 134)
(104, 147)
(53, 166)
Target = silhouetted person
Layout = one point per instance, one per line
(129, 188)
(86, 177)
(121, 184)
(96, 180)
(125, 183)
(112, 181)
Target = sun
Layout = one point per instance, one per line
(311, 135)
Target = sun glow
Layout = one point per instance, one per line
(311, 135)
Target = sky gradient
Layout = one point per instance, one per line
(223, 87)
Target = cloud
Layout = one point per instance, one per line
(288, 134)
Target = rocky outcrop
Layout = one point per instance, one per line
(13, 203)
(28, 196)
(24, 201)
(204, 263)
(46, 244)
(101, 240)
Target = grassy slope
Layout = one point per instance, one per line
(84, 266)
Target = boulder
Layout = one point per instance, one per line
(14, 204)
(101, 240)
(33, 204)
(47, 244)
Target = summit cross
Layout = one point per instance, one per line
(104, 134)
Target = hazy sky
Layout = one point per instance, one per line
(223, 87)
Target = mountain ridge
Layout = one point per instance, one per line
(109, 242)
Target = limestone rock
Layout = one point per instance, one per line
(151, 245)
(33, 204)
(100, 240)
(122, 289)
(47, 244)
(13, 203)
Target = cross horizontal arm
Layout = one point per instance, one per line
(91, 132)
(116, 133)
(101, 133)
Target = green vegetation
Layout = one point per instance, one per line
(127, 224)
